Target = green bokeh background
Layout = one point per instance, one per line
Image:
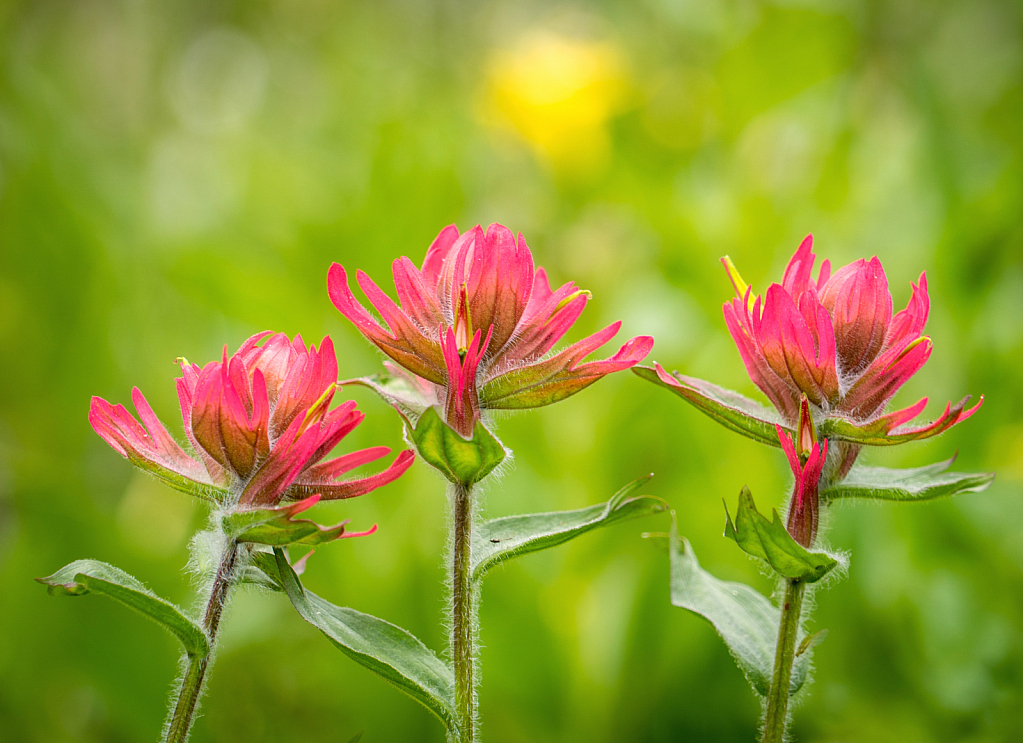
(177, 176)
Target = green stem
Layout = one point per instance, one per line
(180, 723)
(776, 719)
(463, 614)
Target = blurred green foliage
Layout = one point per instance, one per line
(176, 176)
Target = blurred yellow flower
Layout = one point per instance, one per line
(558, 93)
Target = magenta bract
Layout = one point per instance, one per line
(806, 458)
(834, 339)
(476, 323)
(259, 425)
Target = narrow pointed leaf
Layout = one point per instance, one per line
(745, 619)
(918, 483)
(732, 410)
(92, 576)
(504, 538)
(382, 647)
(770, 541)
(464, 461)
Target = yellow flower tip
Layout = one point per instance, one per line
(740, 285)
(317, 410)
(564, 302)
(922, 339)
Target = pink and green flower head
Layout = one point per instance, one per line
(476, 326)
(259, 426)
(836, 340)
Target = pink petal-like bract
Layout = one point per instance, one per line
(260, 425)
(835, 340)
(476, 323)
(804, 509)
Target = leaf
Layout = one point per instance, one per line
(278, 527)
(462, 461)
(745, 619)
(770, 541)
(732, 410)
(504, 538)
(92, 576)
(918, 483)
(382, 647)
(358, 737)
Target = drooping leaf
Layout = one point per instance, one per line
(277, 526)
(384, 648)
(732, 410)
(504, 538)
(746, 620)
(464, 461)
(917, 483)
(92, 576)
(770, 541)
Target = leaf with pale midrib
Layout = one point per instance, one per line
(746, 620)
(504, 538)
(917, 483)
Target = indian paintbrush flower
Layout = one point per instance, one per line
(835, 340)
(259, 426)
(476, 326)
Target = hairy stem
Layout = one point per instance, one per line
(463, 614)
(776, 719)
(180, 723)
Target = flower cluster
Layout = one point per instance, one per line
(829, 353)
(835, 340)
(259, 424)
(476, 326)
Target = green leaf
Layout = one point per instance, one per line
(734, 411)
(504, 538)
(382, 647)
(770, 541)
(746, 620)
(918, 483)
(462, 461)
(278, 526)
(91, 576)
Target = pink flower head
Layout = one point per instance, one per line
(806, 457)
(836, 340)
(259, 425)
(476, 324)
